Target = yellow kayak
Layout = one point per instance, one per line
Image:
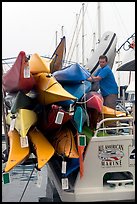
(17, 154)
(24, 120)
(39, 64)
(50, 90)
(110, 112)
(42, 147)
(64, 143)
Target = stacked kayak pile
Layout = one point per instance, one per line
(50, 110)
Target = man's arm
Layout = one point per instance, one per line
(94, 78)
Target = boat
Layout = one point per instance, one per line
(41, 147)
(50, 90)
(80, 117)
(52, 117)
(24, 119)
(128, 62)
(94, 100)
(77, 90)
(72, 74)
(106, 46)
(22, 101)
(108, 112)
(94, 117)
(18, 77)
(64, 143)
(60, 55)
(17, 154)
(39, 64)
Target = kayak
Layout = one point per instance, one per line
(77, 90)
(17, 154)
(49, 90)
(22, 101)
(73, 73)
(94, 100)
(53, 117)
(94, 117)
(59, 54)
(18, 77)
(39, 64)
(24, 119)
(110, 112)
(64, 143)
(41, 147)
(80, 117)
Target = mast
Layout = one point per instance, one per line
(62, 30)
(77, 38)
(56, 41)
(99, 22)
(83, 34)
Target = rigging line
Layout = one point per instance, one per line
(120, 18)
(73, 35)
(78, 34)
(126, 42)
(6, 63)
(27, 184)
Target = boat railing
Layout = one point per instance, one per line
(119, 126)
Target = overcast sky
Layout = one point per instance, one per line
(34, 26)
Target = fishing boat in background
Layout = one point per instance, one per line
(107, 46)
(17, 154)
(18, 77)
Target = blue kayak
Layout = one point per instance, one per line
(73, 73)
(78, 90)
(80, 117)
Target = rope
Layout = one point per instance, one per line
(27, 184)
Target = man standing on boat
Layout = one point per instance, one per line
(107, 82)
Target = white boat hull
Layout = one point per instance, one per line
(107, 46)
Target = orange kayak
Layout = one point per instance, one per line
(110, 112)
(39, 64)
(64, 143)
(17, 154)
(42, 147)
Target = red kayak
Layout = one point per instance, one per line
(53, 117)
(94, 100)
(18, 77)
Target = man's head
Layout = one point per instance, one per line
(103, 60)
